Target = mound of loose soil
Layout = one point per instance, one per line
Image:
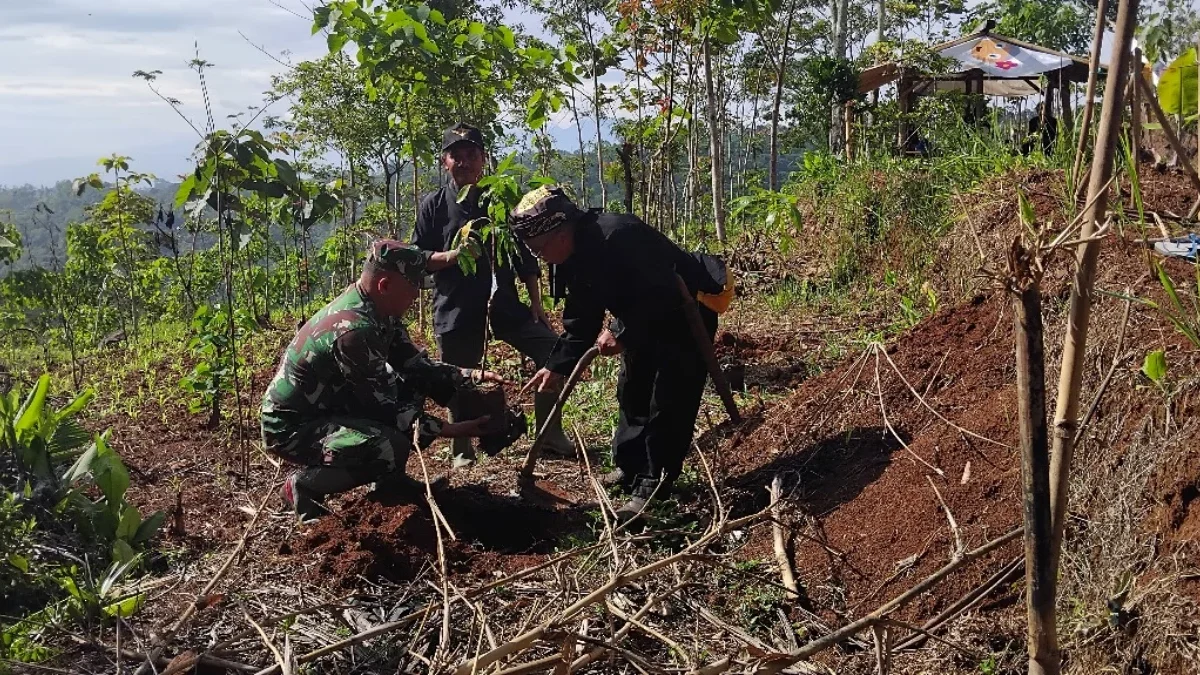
(867, 500)
(873, 509)
(395, 541)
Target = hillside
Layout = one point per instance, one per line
(893, 459)
(43, 232)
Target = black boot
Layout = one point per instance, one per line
(401, 486)
(645, 489)
(305, 490)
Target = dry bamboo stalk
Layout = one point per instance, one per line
(883, 651)
(1135, 112)
(781, 556)
(1066, 414)
(1085, 126)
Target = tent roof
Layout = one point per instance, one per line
(1012, 66)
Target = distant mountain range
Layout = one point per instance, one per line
(42, 231)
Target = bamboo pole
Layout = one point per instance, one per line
(1025, 285)
(1085, 125)
(1066, 414)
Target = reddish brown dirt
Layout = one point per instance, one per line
(870, 501)
(870, 497)
(394, 540)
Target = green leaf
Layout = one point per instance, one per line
(335, 42)
(30, 414)
(76, 404)
(1177, 85)
(148, 528)
(1155, 366)
(82, 466)
(68, 437)
(125, 608)
(1027, 214)
(507, 39)
(128, 525)
(19, 562)
(110, 474)
(123, 552)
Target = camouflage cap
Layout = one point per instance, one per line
(542, 210)
(394, 256)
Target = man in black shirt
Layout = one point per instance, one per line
(460, 302)
(619, 264)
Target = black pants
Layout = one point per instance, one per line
(464, 348)
(659, 391)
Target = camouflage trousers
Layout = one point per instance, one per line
(352, 443)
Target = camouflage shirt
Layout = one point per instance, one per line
(348, 360)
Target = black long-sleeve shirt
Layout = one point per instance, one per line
(622, 265)
(460, 300)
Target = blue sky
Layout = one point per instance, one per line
(67, 95)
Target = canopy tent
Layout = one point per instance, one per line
(983, 63)
(987, 63)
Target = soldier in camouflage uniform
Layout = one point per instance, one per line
(348, 398)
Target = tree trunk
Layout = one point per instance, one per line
(1040, 577)
(1085, 124)
(583, 188)
(714, 141)
(1066, 414)
(625, 152)
(1067, 116)
(840, 14)
(773, 172)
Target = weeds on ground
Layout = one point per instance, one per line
(63, 550)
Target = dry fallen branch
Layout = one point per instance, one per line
(958, 543)
(425, 610)
(887, 423)
(780, 542)
(531, 637)
(165, 637)
(966, 602)
(880, 349)
(777, 664)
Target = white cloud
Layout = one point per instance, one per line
(67, 94)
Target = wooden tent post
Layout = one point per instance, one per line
(904, 95)
(1064, 97)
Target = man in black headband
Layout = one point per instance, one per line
(617, 263)
(460, 302)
